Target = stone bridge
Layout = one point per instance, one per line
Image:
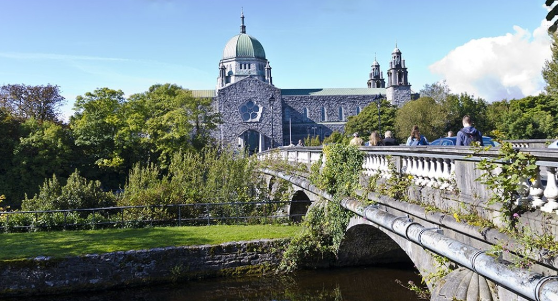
(466, 260)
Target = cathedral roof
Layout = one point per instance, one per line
(333, 91)
(243, 46)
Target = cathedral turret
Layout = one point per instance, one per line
(268, 77)
(376, 79)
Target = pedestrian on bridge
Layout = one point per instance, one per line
(356, 141)
(389, 140)
(416, 138)
(375, 140)
(468, 133)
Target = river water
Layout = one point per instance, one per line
(349, 284)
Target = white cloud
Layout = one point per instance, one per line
(496, 68)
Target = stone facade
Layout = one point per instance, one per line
(309, 116)
(254, 132)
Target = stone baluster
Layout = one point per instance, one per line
(409, 170)
(522, 192)
(366, 165)
(445, 174)
(405, 165)
(439, 175)
(373, 164)
(423, 171)
(451, 179)
(432, 172)
(536, 191)
(384, 169)
(551, 190)
(420, 171)
(377, 164)
(416, 169)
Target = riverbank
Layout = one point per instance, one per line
(60, 244)
(47, 275)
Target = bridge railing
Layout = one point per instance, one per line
(153, 215)
(530, 143)
(449, 169)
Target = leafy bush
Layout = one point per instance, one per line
(78, 193)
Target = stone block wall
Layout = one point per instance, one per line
(43, 275)
(301, 126)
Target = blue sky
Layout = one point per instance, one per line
(494, 49)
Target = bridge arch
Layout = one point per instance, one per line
(364, 244)
(300, 202)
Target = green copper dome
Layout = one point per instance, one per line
(243, 45)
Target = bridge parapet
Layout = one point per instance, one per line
(530, 143)
(447, 169)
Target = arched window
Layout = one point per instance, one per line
(358, 110)
(341, 115)
(305, 115)
(324, 114)
(287, 114)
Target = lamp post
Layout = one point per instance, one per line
(378, 100)
(271, 101)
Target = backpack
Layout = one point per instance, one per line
(471, 138)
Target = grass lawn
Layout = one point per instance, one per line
(69, 243)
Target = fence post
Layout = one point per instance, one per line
(65, 219)
(93, 219)
(207, 213)
(179, 215)
(122, 217)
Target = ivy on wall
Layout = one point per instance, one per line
(325, 223)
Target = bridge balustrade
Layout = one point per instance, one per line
(447, 169)
(530, 143)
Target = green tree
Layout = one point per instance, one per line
(424, 112)
(173, 121)
(95, 126)
(456, 106)
(39, 102)
(336, 137)
(496, 113)
(438, 91)
(532, 117)
(43, 149)
(550, 69)
(367, 121)
(10, 128)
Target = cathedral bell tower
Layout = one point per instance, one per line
(376, 79)
(398, 88)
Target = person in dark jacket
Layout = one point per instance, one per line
(468, 133)
(388, 140)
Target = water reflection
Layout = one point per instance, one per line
(357, 284)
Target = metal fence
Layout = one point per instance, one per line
(153, 215)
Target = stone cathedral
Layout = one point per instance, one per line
(258, 115)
